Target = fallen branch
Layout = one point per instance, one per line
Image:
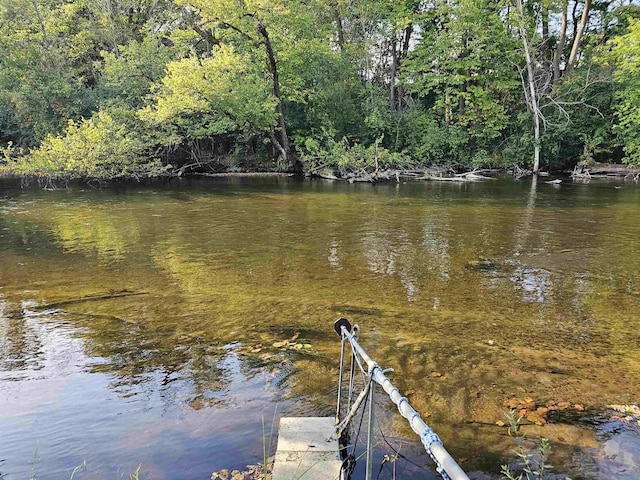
(111, 318)
(580, 172)
(89, 298)
(458, 177)
(519, 173)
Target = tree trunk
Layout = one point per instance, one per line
(406, 43)
(393, 73)
(533, 93)
(536, 151)
(283, 144)
(545, 35)
(561, 41)
(574, 18)
(408, 31)
(339, 27)
(576, 41)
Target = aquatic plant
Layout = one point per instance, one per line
(534, 465)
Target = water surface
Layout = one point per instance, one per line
(137, 323)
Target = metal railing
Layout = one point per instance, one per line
(446, 466)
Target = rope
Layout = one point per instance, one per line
(364, 406)
(399, 455)
(355, 355)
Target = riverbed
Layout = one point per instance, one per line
(166, 328)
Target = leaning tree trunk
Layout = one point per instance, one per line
(561, 41)
(282, 144)
(578, 37)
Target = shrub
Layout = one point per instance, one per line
(99, 147)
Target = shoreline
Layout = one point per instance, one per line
(601, 171)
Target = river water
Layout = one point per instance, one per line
(137, 324)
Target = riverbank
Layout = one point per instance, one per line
(442, 174)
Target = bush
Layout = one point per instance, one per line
(99, 147)
(343, 157)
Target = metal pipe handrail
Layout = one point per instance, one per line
(445, 464)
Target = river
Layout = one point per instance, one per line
(138, 323)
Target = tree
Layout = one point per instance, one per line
(128, 73)
(625, 57)
(96, 148)
(46, 61)
(203, 98)
(542, 75)
(462, 68)
(245, 25)
(532, 89)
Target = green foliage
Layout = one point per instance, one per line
(322, 95)
(205, 97)
(96, 148)
(531, 468)
(343, 157)
(463, 67)
(430, 142)
(127, 74)
(358, 85)
(8, 155)
(583, 129)
(45, 62)
(625, 57)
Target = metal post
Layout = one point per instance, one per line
(354, 409)
(369, 471)
(353, 367)
(340, 380)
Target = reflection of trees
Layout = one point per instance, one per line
(23, 236)
(95, 230)
(437, 247)
(88, 229)
(334, 255)
(152, 351)
(535, 284)
(20, 345)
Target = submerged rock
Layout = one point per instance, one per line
(483, 265)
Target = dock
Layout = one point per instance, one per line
(307, 449)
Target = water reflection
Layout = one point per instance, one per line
(117, 411)
(534, 283)
(334, 256)
(474, 294)
(20, 344)
(437, 248)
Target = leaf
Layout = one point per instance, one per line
(280, 344)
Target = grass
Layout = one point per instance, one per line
(254, 472)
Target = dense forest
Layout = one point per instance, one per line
(113, 88)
